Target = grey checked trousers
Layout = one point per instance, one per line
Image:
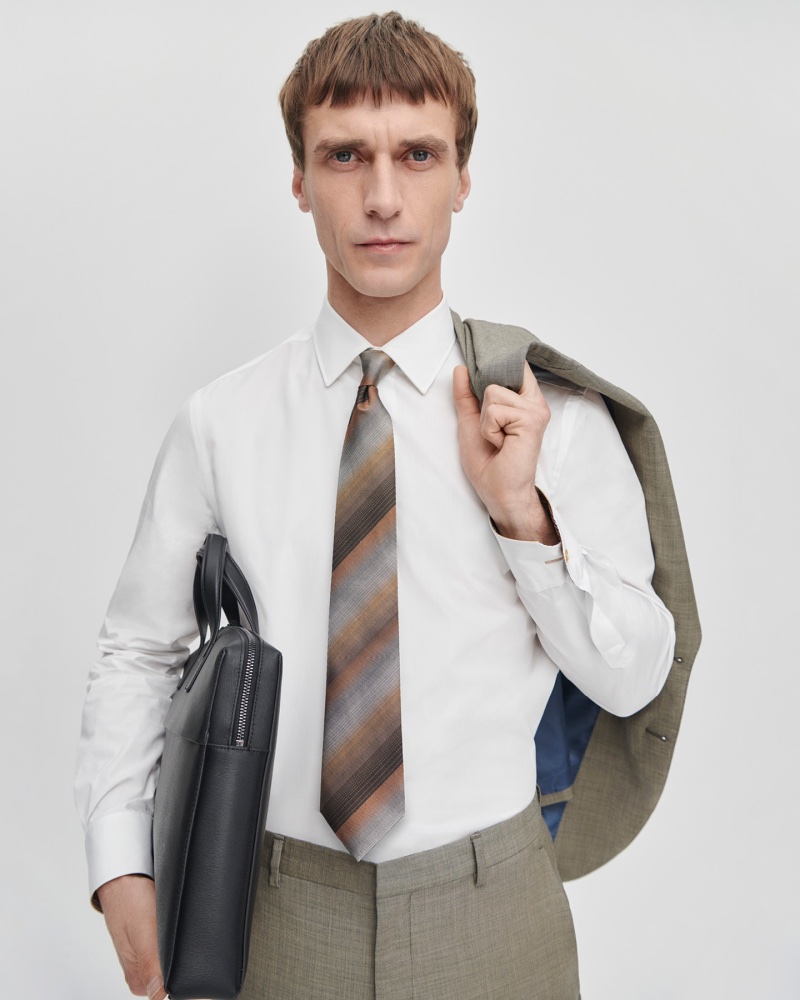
(483, 918)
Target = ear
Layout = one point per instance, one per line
(299, 189)
(463, 189)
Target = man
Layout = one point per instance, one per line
(512, 543)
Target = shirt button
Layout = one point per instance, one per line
(566, 555)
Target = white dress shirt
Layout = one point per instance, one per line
(485, 622)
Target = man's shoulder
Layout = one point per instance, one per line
(261, 374)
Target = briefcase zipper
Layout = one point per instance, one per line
(243, 716)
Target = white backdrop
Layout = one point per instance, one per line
(635, 201)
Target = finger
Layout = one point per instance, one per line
(464, 398)
(498, 394)
(530, 386)
(499, 421)
(529, 391)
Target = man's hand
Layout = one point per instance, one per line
(129, 906)
(500, 444)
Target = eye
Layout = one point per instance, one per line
(343, 156)
(420, 155)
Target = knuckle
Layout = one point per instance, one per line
(541, 414)
(494, 394)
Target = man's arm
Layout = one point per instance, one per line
(129, 906)
(500, 444)
(590, 591)
(143, 644)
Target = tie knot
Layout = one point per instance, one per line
(374, 364)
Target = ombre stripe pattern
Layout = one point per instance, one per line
(362, 758)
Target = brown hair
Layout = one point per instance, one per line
(379, 55)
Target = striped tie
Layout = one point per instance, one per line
(362, 756)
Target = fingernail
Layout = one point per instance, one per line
(153, 987)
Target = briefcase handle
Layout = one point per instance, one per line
(219, 585)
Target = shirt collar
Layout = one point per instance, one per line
(419, 352)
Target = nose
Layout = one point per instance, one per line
(382, 196)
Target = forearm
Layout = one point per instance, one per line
(143, 645)
(532, 523)
(121, 741)
(591, 594)
(129, 906)
(621, 670)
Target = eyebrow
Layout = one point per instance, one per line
(431, 142)
(330, 145)
(426, 142)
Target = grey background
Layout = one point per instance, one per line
(635, 201)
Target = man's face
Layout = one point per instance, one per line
(381, 184)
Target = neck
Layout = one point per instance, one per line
(379, 319)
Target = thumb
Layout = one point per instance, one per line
(471, 444)
(465, 400)
(155, 988)
(150, 967)
(530, 384)
(150, 971)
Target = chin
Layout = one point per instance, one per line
(385, 286)
(387, 292)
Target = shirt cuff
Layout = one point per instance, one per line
(534, 566)
(600, 582)
(538, 568)
(119, 843)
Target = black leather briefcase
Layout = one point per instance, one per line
(213, 788)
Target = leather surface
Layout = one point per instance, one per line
(211, 796)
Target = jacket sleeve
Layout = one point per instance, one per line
(143, 643)
(591, 596)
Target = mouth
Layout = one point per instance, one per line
(383, 245)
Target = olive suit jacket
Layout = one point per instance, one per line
(600, 776)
